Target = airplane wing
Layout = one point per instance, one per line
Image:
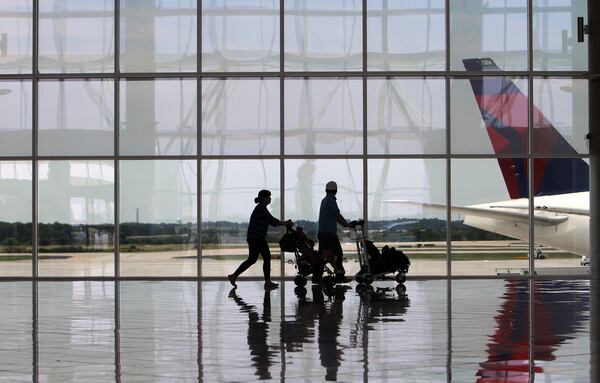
(516, 213)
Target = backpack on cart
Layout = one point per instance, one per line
(376, 260)
(395, 259)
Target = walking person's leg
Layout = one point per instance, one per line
(266, 256)
(336, 247)
(317, 274)
(253, 251)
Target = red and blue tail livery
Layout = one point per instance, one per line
(504, 108)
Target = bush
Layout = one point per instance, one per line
(10, 241)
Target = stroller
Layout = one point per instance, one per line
(375, 264)
(307, 260)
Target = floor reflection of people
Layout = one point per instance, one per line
(561, 308)
(330, 320)
(258, 331)
(326, 310)
(377, 305)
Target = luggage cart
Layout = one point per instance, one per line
(372, 269)
(306, 259)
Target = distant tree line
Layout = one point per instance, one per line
(16, 236)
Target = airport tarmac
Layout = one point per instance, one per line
(429, 259)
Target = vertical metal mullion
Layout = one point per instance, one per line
(448, 197)
(116, 150)
(530, 152)
(282, 169)
(35, 371)
(117, 330)
(594, 158)
(34, 143)
(447, 79)
(199, 186)
(34, 193)
(530, 185)
(282, 133)
(365, 162)
(199, 141)
(116, 197)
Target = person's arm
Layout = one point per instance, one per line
(341, 220)
(275, 222)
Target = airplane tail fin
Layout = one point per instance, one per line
(504, 110)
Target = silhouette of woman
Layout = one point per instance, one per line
(257, 244)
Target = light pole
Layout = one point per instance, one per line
(3, 44)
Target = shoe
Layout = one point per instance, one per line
(342, 279)
(271, 285)
(232, 279)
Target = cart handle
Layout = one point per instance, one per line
(357, 222)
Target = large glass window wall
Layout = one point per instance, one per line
(135, 134)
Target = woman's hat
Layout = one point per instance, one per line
(262, 194)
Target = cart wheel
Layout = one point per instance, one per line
(401, 290)
(359, 278)
(300, 292)
(329, 291)
(328, 281)
(400, 277)
(364, 289)
(368, 278)
(300, 281)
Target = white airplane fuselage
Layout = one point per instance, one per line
(570, 235)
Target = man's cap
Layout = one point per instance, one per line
(331, 186)
(262, 194)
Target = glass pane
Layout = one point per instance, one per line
(406, 35)
(560, 116)
(323, 116)
(490, 330)
(240, 116)
(255, 316)
(16, 336)
(158, 117)
(76, 36)
(15, 109)
(76, 218)
(76, 328)
(406, 116)
(158, 216)
(159, 331)
(489, 116)
(305, 188)
(555, 45)
(158, 35)
(494, 30)
(76, 117)
(16, 18)
(407, 211)
(333, 334)
(562, 216)
(323, 35)
(559, 348)
(240, 36)
(228, 192)
(15, 218)
(490, 226)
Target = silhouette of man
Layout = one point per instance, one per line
(329, 217)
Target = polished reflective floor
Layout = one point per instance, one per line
(433, 331)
